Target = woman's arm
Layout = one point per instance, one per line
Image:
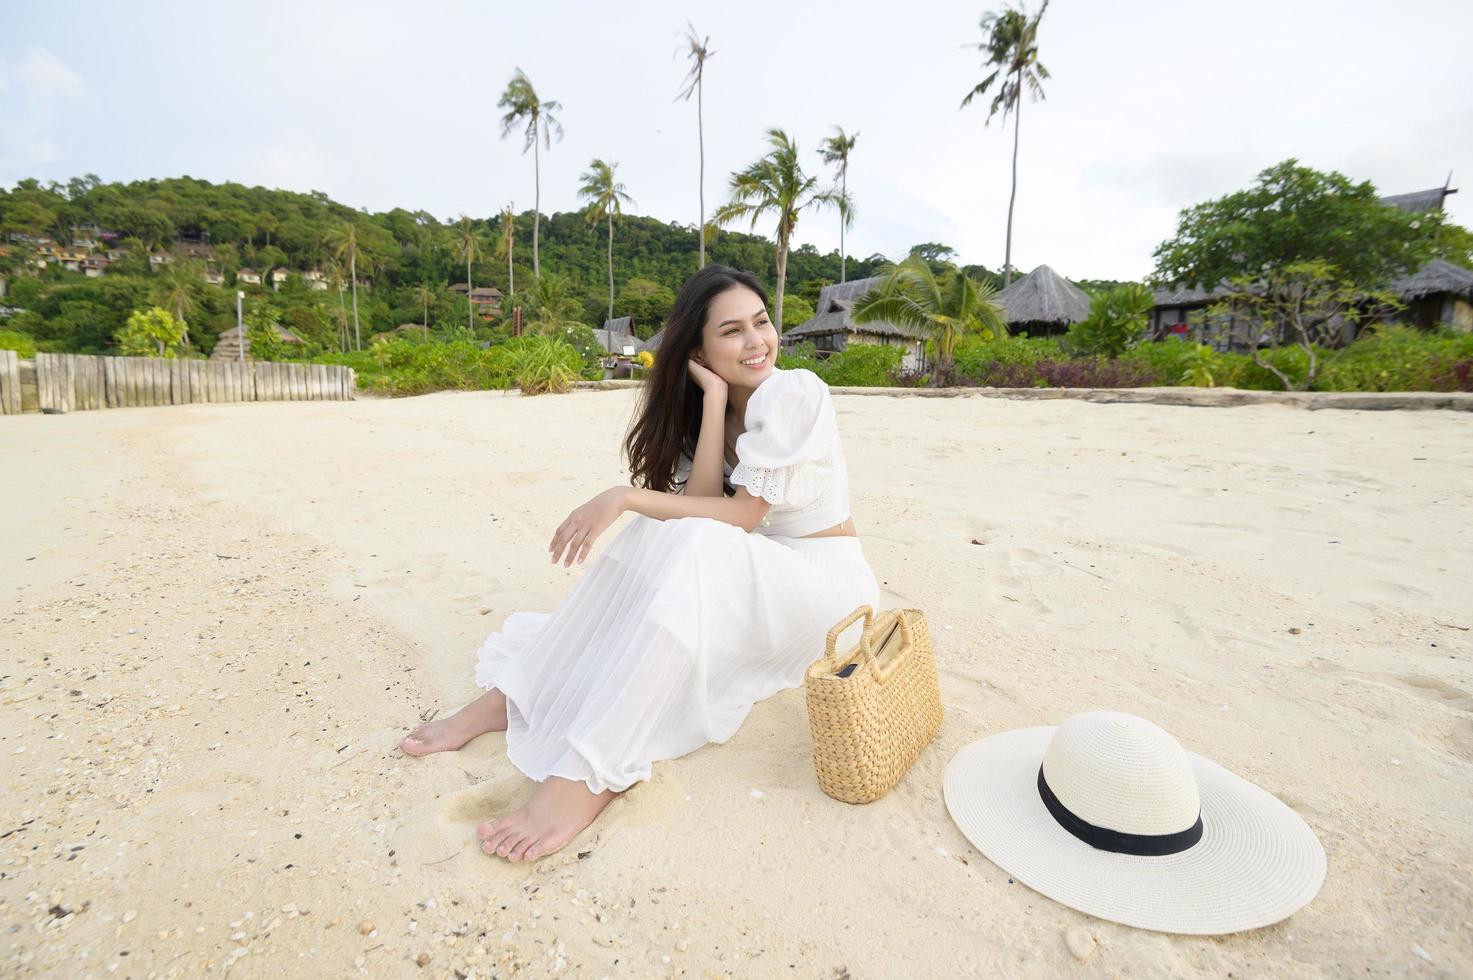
(707, 472)
(744, 510)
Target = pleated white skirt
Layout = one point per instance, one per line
(665, 643)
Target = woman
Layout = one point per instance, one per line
(741, 556)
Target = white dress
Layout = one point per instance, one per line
(680, 626)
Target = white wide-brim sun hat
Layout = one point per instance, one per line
(1181, 844)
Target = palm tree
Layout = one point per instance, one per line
(468, 246)
(944, 309)
(334, 273)
(554, 304)
(836, 149)
(522, 104)
(775, 184)
(506, 240)
(605, 197)
(346, 246)
(426, 294)
(698, 49)
(1012, 47)
(178, 282)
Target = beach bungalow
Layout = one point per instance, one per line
(278, 276)
(833, 329)
(1042, 303)
(248, 275)
(1439, 292)
(616, 336)
(228, 346)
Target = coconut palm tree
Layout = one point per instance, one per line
(467, 244)
(944, 309)
(1012, 49)
(605, 197)
(178, 282)
(506, 240)
(697, 49)
(345, 246)
(426, 294)
(335, 279)
(554, 305)
(524, 106)
(775, 184)
(836, 149)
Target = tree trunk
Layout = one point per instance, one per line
(701, 188)
(782, 276)
(536, 205)
(343, 329)
(1007, 261)
(611, 265)
(511, 279)
(353, 271)
(470, 305)
(844, 192)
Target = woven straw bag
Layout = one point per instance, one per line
(869, 727)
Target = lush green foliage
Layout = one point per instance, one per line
(19, 342)
(151, 333)
(1117, 321)
(1296, 214)
(396, 252)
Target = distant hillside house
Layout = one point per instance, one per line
(94, 265)
(159, 259)
(214, 277)
(485, 300)
(833, 329)
(113, 254)
(248, 275)
(278, 276)
(315, 279)
(1042, 303)
(193, 250)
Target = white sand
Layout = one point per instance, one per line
(218, 620)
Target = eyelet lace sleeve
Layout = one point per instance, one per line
(789, 424)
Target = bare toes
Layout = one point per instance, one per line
(523, 847)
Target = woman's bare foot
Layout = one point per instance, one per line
(485, 714)
(553, 816)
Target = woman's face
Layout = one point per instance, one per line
(738, 342)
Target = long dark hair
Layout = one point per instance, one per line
(667, 417)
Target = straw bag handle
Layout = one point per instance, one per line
(830, 653)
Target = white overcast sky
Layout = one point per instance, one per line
(1151, 107)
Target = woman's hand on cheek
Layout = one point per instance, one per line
(707, 380)
(576, 534)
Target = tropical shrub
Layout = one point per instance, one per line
(870, 365)
(1117, 321)
(151, 333)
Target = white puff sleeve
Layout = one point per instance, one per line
(789, 422)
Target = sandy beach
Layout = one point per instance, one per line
(218, 620)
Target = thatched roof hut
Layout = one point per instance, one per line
(833, 327)
(228, 346)
(617, 334)
(1043, 302)
(1439, 292)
